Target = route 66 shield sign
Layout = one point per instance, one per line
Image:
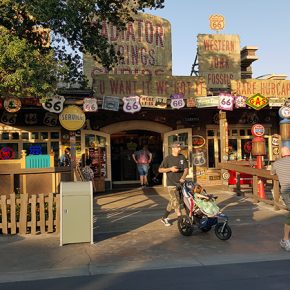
(177, 101)
(131, 104)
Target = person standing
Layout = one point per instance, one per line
(143, 159)
(176, 168)
(281, 167)
(87, 171)
(65, 159)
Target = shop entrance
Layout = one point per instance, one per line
(123, 145)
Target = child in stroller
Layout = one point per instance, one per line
(201, 211)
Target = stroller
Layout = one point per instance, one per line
(201, 211)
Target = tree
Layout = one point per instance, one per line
(75, 27)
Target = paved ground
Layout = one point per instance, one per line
(129, 236)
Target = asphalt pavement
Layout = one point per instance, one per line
(129, 236)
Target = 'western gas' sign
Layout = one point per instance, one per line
(145, 46)
(219, 59)
(161, 86)
(267, 88)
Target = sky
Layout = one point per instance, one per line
(264, 24)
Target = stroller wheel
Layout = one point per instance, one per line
(223, 231)
(184, 226)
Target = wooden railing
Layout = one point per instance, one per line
(29, 213)
(257, 174)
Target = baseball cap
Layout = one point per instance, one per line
(176, 144)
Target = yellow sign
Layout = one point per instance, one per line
(217, 22)
(257, 102)
(161, 86)
(72, 118)
(267, 88)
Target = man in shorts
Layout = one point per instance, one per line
(281, 167)
(143, 159)
(176, 168)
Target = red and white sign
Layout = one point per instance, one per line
(131, 104)
(90, 105)
(226, 102)
(258, 130)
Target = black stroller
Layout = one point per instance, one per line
(201, 211)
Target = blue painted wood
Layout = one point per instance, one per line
(37, 161)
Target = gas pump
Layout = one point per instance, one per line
(259, 150)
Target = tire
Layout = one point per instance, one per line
(184, 226)
(223, 232)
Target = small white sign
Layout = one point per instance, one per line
(226, 102)
(54, 104)
(177, 101)
(90, 105)
(131, 104)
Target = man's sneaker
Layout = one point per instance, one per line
(166, 222)
(285, 245)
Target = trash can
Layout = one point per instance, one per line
(76, 212)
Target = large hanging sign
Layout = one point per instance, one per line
(72, 118)
(219, 59)
(53, 104)
(131, 104)
(157, 86)
(12, 104)
(257, 102)
(267, 88)
(144, 45)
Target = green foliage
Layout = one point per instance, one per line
(28, 68)
(24, 70)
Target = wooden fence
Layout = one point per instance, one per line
(257, 174)
(29, 213)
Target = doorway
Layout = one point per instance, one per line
(123, 145)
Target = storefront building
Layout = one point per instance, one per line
(140, 102)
